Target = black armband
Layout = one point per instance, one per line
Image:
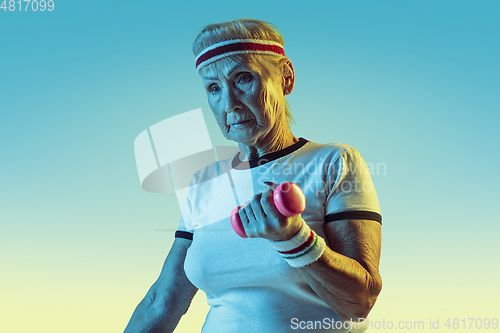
(184, 234)
(354, 215)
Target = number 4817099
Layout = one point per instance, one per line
(33, 5)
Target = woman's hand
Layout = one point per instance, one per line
(261, 218)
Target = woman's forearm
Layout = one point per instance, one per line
(168, 298)
(155, 314)
(148, 318)
(343, 284)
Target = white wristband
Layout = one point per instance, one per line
(302, 249)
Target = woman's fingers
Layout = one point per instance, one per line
(250, 215)
(257, 210)
(249, 211)
(245, 221)
(267, 203)
(260, 218)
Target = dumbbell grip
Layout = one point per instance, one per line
(288, 199)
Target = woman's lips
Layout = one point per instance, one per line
(241, 122)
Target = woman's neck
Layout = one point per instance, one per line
(274, 141)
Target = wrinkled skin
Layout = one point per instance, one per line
(244, 98)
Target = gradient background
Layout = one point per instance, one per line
(412, 84)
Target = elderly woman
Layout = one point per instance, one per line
(315, 271)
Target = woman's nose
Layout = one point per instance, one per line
(231, 101)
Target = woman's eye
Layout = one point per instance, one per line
(214, 89)
(244, 78)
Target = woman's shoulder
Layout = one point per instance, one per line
(328, 150)
(212, 170)
(342, 147)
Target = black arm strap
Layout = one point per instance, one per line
(184, 234)
(354, 215)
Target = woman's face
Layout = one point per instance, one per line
(244, 97)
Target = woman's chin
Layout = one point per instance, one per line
(247, 136)
(243, 140)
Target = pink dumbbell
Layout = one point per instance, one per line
(288, 199)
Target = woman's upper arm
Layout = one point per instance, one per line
(172, 290)
(360, 240)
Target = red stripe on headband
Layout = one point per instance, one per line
(239, 47)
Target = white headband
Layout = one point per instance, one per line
(237, 46)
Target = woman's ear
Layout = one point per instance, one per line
(288, 77)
